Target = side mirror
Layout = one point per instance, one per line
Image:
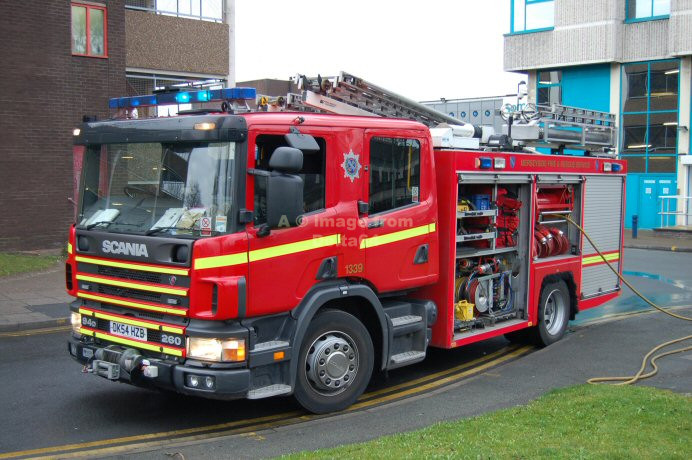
(284, 189)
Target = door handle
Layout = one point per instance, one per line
(376, 224)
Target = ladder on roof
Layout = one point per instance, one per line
(347, 94)
(556, 127)
(559, 126)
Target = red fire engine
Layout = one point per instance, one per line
(234, 254)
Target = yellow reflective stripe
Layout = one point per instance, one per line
(596, 259)
(221, 261)
(97, 314)
(146, 346)
(143, 268)
(142, 287)
(397, 236)
(292, 248)
(127, 303)
(69, 248)
(266, 253)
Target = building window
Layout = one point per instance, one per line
(644, 10)
(549, 87)
(394, 173)
(532, 15)
(89, 31)
(650, 116)
(206, 10)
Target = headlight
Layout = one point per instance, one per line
(76, 321)
(216, 349)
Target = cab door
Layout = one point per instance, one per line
(400, 239)
(287, 262)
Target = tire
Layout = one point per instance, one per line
(553, 313)
(330, 378)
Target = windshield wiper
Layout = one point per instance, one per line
(107, 223)
(152, 231)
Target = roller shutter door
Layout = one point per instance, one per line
(602, 220)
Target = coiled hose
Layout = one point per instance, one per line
(640, 375)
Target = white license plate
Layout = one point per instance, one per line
(129, 331)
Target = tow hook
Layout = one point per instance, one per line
(148, 370)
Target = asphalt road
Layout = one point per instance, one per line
(47, 402)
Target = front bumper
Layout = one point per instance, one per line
(127, 365)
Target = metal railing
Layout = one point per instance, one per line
(205, 10)
(675, 210)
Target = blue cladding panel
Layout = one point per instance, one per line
(587, 87)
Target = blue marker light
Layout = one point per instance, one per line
(485, 163)
(616, 167)
(183, 97)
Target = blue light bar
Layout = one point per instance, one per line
(183, 97)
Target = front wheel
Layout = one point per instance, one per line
(553, 313)
(335, 362)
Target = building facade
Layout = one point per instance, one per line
(629, 57)
(62, 61)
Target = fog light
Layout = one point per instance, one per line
(192, 381)
(209, 382)
(76, 321)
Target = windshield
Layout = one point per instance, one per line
(182, 189)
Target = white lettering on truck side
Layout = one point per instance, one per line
(128, 249)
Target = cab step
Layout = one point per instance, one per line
(268, 391)
(264, 346)
(407, 357)
(410, 330)
(405, 320)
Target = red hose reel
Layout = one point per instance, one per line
(549, 241)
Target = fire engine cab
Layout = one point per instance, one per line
(228, 253)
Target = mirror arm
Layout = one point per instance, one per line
(263, 231)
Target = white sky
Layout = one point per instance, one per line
(423, 50)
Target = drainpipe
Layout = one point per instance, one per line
(229, 19)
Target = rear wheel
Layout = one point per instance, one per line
(553, 313)
(335, 362)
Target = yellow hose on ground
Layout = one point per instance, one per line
(640, 375)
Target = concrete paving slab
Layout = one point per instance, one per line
(53, 310)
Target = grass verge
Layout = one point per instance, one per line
(585, 421)
(13, 263)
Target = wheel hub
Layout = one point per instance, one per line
(554, 312)
(332, 362)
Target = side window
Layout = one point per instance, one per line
(313, 174)
(394, 173)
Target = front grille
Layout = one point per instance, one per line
(130, 293)
(130, 274)
(151, 315)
